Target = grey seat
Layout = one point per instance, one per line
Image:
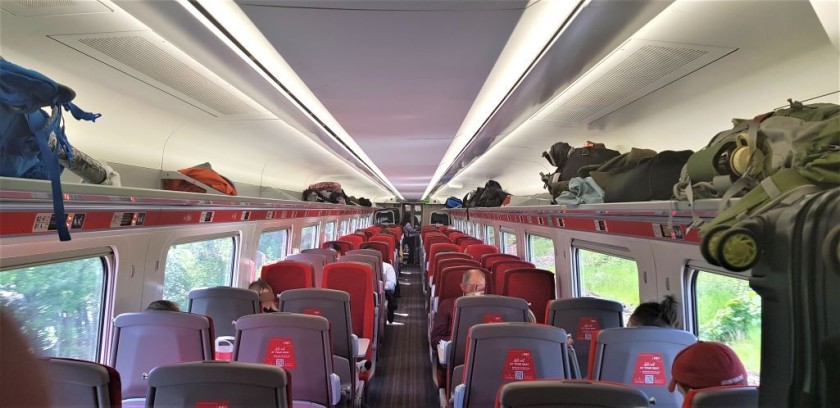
(569, 393)
(641, 357)
(726, 396)
(317, 261)
(334, 305)
(232, 383)
(298, 343)
(78, 383)
(582, 318)
(142, 341)
(470, 311)
(371, 252)
(500, 353)
(330, 255)
(224, 305)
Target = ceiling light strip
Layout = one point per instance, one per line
(243, 52)
(433, 184)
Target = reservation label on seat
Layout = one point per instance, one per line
(650, 369)
(212, 404)
(281, 353)
(587, 327)
(312, 311)
(519, 366)
(491, 318)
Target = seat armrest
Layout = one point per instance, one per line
(435, 303)
(335, 389)
(362, 349)
(458, 396)
(443, 351)
(354, 340)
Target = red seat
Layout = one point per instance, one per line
(382, 248)
(442, 256)
(434, 250)
(285, 275)
(431, 240)
(357, 280)
(466, 243)
(355, 240)
(476, 251)
(500, 268)
(389, 240)
(343, 246)
(488, 260)
(450, 281)
(454, 237)
(446, 263)
(536, 286)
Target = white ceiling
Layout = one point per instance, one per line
(399, 77)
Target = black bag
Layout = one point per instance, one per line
(493, 195)
(471, 199)
(652, 179)
(364, 202)
(585, 156)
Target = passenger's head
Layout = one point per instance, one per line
(167, 305)
(706, 364)
(473, 282)
(335, 247)
(663, 314)
(265, 291)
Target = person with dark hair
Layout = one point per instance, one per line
(706, 364)
(166, 305)
(663, 314)
(268, 302)
(335, 247)
(410, 236)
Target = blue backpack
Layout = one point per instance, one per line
(26, 130)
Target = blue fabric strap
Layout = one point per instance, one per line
(42, 135)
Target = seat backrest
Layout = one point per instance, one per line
(354, 240)
(569, 393)
(457, 238)
(80, 383)
(448, 263)
(507, 352)
(368, 260)
(355, 279)
(297, 343)
(478, 250)
(641, 357)
(450, 281)
(293, 273)
(334, 305)
(142, 341)
(224, 305)
(436, 263)
(434, 250)
(582, 318)
(218, 384)
(368, 251)
(431, 240)
(466, 243)
(330, 255)
(388, 240)
(343, 246)
(382, 247)
(725, 396)
(500, 268)
(487, 260)
(536, 286)
(472, 310)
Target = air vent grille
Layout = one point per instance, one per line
(148, 59)
(45, 3)
(635, 70)
(33, 8)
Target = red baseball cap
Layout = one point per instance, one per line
(707, 364)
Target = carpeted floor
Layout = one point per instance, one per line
(403, 375)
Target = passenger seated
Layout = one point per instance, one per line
(166, 305)
(472, 284)
(706, 364)
(390, 287)
(335, 247)
(663, 314)
(268, 302)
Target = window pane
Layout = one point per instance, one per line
(541, 252)
(272, 247)
(353, 225)
(309, 237)
(343, 229)
(729, 311)
(609, 277)
(59, 306)
(478, 231)
(329, 231)
(509, 243)
(197, 265)
(490, 237)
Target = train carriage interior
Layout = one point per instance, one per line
(291, 203)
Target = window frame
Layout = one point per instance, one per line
(315, 236)
(490, 231)
(285, 251)
(334, 234)
(237, 239)
(502, 232)
(611, 250)
(529, 250)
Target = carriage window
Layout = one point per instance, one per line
(490, 236)
(353, 224)
(508, 243)
(273, 246)
(343, 229)
(610, 277)
(329, 231)
(196, 265)
(729, 311)
(541, 252)
(63, 314)
(478, 231)
(309, 237)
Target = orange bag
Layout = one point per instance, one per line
(203, 173)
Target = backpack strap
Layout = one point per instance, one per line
(42, 131)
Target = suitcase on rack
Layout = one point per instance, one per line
(798, 278)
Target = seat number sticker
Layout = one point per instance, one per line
(587, 327)
(491, 318)
(281, 353)
(312, 311)
(212, 404)
(650, 369)
(519, 366)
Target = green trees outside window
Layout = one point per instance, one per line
(196, 265)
